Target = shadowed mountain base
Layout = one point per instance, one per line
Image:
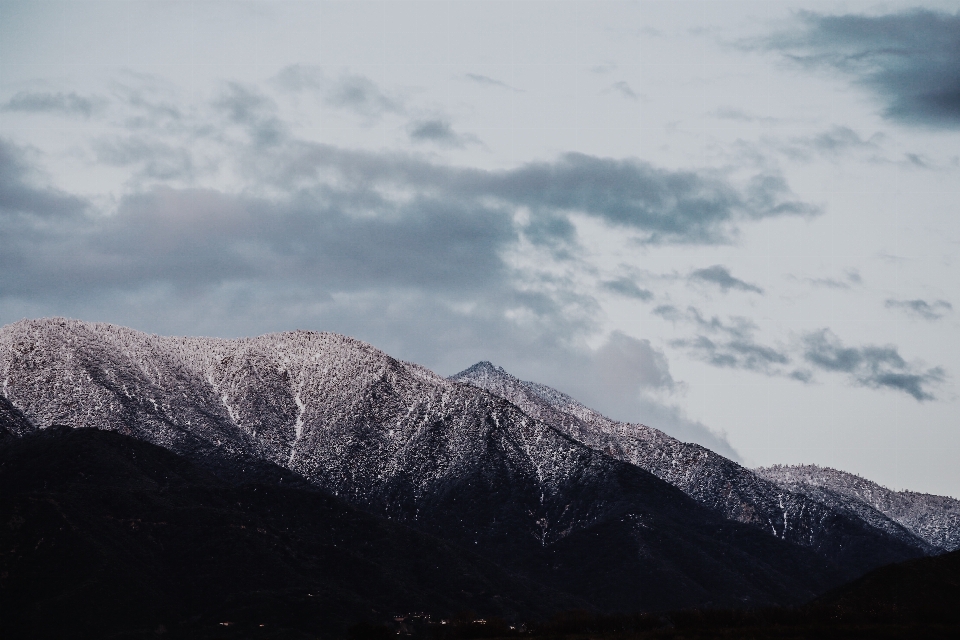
(107, 536)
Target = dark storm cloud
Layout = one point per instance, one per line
(627, 287)
(67, 103)
(921, 308)
(910, 60)
(720, 276)
(870, 366)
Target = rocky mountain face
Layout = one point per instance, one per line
(446, 457)
(851, 533)
(935, 519)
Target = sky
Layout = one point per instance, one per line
(733, 221)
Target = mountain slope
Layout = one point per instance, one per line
(104, 533)
(936, 519)
(395, 439)
(851, 537)
(13, 424)
(924, 589)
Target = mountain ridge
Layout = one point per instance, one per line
(916, 511)
(718, 483)
(446, 457)
(396, 440)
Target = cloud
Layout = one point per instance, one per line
(739, 115)
(36, 224)
(851, 277)
(731, 345)
(349, 221)
(349, 91)
(629, 379)
(909, 60)
(358, 241)
(156, 159)
(870, 366)
(630, 376)
(481, 79)
(831, 143)
(631, 363)
(437, 131)
(624, 90)
(720, 276)
(663, 206)
(921, 308)
(668, 312)
(659, 206)
(627, 287)
(21, 198)
(65, 103)
(253, 110)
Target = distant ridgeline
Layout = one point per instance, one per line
(360, 486)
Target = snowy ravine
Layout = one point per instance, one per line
(763, 498)
(548, 488)
(936, 519)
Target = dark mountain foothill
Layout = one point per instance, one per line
(918, 598)
(105, 534)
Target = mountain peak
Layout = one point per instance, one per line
(482, 369)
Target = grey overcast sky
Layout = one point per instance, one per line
(734, 221)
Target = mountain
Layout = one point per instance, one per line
(935, 519)
(396, 440)
(861, 537)
(105, 534)
(13, 424)
(921, 590)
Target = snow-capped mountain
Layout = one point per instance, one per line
(442, 456)
(832, 528)
(936, 519)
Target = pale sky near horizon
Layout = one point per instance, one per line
(734, 221)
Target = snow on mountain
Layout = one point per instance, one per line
(827, 526)
(936, 519)
(444, 456)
